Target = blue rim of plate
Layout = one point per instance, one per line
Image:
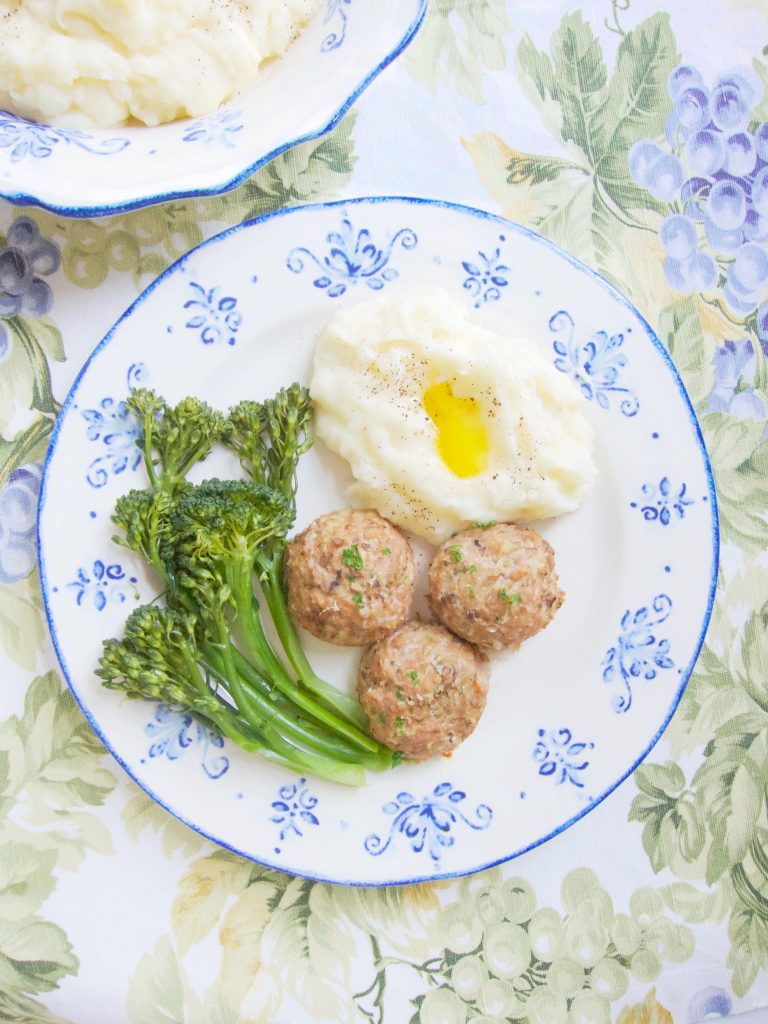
(518, 229)
(78, 212)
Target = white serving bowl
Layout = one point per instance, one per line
(298, 97)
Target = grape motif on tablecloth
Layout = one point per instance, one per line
(713, 177)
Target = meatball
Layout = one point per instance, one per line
(350, 577)
(423, 689)
(496, 586)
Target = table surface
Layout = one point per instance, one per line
(654, 908)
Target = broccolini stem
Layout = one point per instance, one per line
(149, 465)
(270, 745)
(271, 706)
(332, 698)
(268, 664)
(306, 763)
(382, 760)
(302, 761)
(225, 720)
(234, 684)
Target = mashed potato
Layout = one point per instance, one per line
(100, 63)
(445, 423)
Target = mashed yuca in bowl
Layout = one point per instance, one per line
(103, 63)
(110, 106)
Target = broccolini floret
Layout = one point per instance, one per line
(145, 520)
(173, 438)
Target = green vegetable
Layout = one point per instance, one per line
(173, 438)
(158, 659)
(269, 438)
(207, 653)
(358, 599)
(455, 551)
(413, 676)
(510, 598)
(352, 558)
(386, 551)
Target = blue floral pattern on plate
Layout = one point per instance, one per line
(173, 734)
(103, 583)
(335, 38)
(596, 365)
(561, 757)
(217, 129)
(112, 425)
(137, 375)
(27, 138)
(294, 807)
(661, 500)
(639, 652)
(217, 318)
(427, 823)
(353, 256)
(486, 276)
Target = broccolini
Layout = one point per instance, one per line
(206, 653)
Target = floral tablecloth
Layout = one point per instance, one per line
(635, 137)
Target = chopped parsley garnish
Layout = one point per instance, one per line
(358, 599)
(352, 558)
(484, 526)
(386, 551)
(399, 726)
(382, 718)
(510, 598)
(399, 694)
(471, 591)
(472, 568)
(455, 551)
(413, 676)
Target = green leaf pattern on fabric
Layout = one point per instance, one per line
(485, 950)
(458, 43)
(52, 774)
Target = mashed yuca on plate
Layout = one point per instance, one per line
(445, 423)
(102, 63)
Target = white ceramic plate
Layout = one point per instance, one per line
(298, 97)
(572, 713)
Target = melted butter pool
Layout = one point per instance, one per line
(462, 437)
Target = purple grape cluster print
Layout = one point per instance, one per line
(713, 175)
(25, 259)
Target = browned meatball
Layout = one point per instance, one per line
(423, 689)
(495, 587)
(350, 577)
